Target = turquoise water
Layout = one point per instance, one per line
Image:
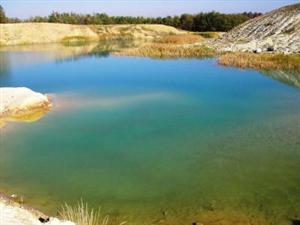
(154, 141)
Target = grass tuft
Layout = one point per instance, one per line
(80, 214)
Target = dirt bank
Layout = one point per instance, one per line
(37, 33)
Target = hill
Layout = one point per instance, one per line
(36, 33)
(277, 31)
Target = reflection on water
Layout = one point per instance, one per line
(166, 142)
(65, 52)
(291, 78)
(59, 52)
(31, 116)
(4, 65)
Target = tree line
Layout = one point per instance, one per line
(211, 21)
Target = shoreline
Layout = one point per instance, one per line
(12, 213)
(163, 42)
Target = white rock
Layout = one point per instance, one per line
(258, 50)
(14, 100)
(14, 214)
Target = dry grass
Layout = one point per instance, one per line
(179, 39)
(171, 46)
(261, 61)
(82, 215)
(168, 51)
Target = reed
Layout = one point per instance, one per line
(261, 61)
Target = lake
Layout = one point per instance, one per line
(154, 141)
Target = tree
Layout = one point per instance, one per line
(3, 18)
(210, 21)
(186, 21)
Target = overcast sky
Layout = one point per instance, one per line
(152, 8)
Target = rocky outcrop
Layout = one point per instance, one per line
(277, 31)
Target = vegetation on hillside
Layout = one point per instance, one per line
(211, 21)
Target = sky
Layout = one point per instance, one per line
(151, 8)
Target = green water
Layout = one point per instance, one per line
(154, 141)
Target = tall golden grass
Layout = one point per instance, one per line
(179, 39)
(168, 51)
(80, 214)
(261, 61)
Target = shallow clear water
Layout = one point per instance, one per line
(154, 140)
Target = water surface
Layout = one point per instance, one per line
(154, 141)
